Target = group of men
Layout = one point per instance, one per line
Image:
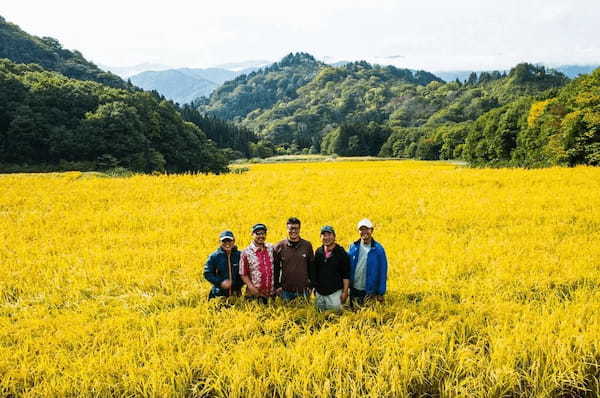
(291, 269)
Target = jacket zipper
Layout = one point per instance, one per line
(229, 269)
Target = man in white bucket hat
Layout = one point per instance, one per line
(368, 266)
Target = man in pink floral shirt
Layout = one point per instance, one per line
(256, 266)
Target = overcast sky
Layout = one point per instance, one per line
(423, 34)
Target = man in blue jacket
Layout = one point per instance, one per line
(222, 268)
(368, 266)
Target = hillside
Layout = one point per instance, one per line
(386, 98)
(52, 122)
(263, 88)
(354, 93)
(23, 48)
(184, 85)
(361, 109)
(541, 120)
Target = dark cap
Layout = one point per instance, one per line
(259, 226)
(327, 228)
(226, 235)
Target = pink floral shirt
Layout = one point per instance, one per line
(257, 264)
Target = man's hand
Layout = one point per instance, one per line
(344, 296)
(253, 290)
(226, 284)
(379, 298)
(278, 291)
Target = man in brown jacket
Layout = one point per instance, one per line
(293, 257)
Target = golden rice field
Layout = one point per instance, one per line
(494, 284)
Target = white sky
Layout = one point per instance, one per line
(424, 34)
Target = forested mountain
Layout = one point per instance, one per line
(354, 93)
(54, 122)
(539, 121)
(216, 75)
(183, 85)
(559, 129)
(125, 72)
(239, 142)
(60, 112)
(263, 88)
(295, 102)
(23, 48)
(363, 109)
(175, 85)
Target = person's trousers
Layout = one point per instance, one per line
(288, 295)
(357, 297)
(219, 292)
(329, 302)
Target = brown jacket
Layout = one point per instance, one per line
(292, 261)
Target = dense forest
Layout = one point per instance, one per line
(49, 121)
(496, 118)
(59, 112)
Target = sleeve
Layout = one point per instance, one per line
(345, 265)
(310, 259)
(244, 264)
(210, 271)
(312, 270)
(277, 266)
(383, 266)
(350, 262)
(311, 254)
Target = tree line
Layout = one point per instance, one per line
(52, 122)
(530, 116)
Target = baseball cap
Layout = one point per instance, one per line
(327, 228)
(256, 227)
(365, 222)
(226, 235)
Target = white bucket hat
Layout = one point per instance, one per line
(365, 222)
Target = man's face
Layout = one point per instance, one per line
(327, 238)
(227, 244)
(259, 236)
(293, 231)
(365, 233)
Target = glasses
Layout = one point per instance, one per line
(294, 228)
(260, 233)
(227, 241)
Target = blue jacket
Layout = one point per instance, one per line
(216, 269)
(376, 277)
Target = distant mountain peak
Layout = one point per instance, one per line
(297, 58)
(239, 66)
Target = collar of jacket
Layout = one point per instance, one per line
(357, 242)
(289, 242)
(335, 248)
(255, 248)
(233, 249)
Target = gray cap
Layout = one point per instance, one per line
(259, 226)
(226, 235)
(327, 228)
